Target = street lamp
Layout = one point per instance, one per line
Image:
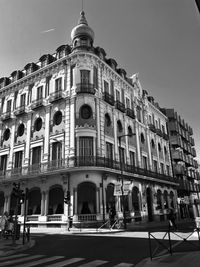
(122, 177)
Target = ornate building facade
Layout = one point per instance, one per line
(61, 122)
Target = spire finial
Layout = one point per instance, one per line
(82, 19)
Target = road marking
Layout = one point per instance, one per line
(93, 263)
(13, 256)
(65, 262)
(123, 264)
(7, 263)
(35, 263)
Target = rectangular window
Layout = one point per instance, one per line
(117, 95)
(85, 77)
(138, 113)
(150, 119)
(86, 146)
(168, 170)
(162, 168)
(123, 98)
(121, 155)
(9, 103)
(112, 87)
(39, 92)
(95, 77)
(58, 84)
(36, 155)
(132, 158)
(106, 87)
(30, 93)
(163, 128)
(144, 162)
(128, 103)
(18, 159)
(56, 153)
(22, 100)
(109, 151)
(3, 165)
(72, 68)
(47, 85)
(155, 165)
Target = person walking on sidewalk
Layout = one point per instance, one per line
(172, 218)
(4, 223)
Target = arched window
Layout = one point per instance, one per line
(86, 198)
(142, 139)
(86, 112)
(159, 147)
(119, 127)
(165, 198)
(135, 199)
(152, 144)
(130, 132)
(107, 120)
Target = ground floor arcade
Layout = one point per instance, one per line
(92, 194)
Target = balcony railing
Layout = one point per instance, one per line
(87, 161)
(120, 106)
(109, 98)
(20, 110)
(37, 103)
(6, 115)
(159, 132)
(56, 96)
(152, 128)
(130, 113)
(85, 88)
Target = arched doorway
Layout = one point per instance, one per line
(86, 197)
(159, 200)
(2, 200)
(34, 201)
(165, 199)
(56, 200)
(149, 204)
(110, 198)
(135, 201)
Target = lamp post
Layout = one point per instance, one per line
(122, 177)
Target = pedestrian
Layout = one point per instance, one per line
(4, 223)
(172, 218)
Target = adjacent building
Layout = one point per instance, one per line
(73, 124)
(185, 166)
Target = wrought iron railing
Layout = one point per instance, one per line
(109, 98)
(85, 88)
(88, 161)
(120, 106)
(20, 110)
(56, 96)
(37, 103)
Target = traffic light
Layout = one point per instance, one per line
(67, 197)
(22, 198)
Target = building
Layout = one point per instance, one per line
(74, 125)
(185, 166)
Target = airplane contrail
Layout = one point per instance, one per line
(50, 30)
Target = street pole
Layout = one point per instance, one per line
(25, 207)
(122, 177)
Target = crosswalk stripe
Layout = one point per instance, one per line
(66, 262)
(12, 257)
(93, 263)
(123, 264)
(35, 263)
(7, 263)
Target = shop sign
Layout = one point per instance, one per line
(118, 189)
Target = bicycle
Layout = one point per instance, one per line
(118, 224)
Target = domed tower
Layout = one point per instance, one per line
(82, 35)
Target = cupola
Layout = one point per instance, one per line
(82, 35)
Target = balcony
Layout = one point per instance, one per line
(177, 155)
(56, 96)
(90, 161)
(6, 116)
(130, 113)
(175, 141)
(120, 106)
(109, 98)
(85, 88)
(165, 136)
(37, 103)
(152, 128)
(20, 110)
(159, 132)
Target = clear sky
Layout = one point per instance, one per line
(159, 39)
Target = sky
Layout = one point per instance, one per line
(159, 39)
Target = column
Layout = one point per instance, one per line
(10, 161)
(42, 203)
(138, 147)
(72, 128)
(115, 137)
(46, 139)
(46, 202)
(28, 140)
(149, 150)
(99, 151)
(97, 201)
